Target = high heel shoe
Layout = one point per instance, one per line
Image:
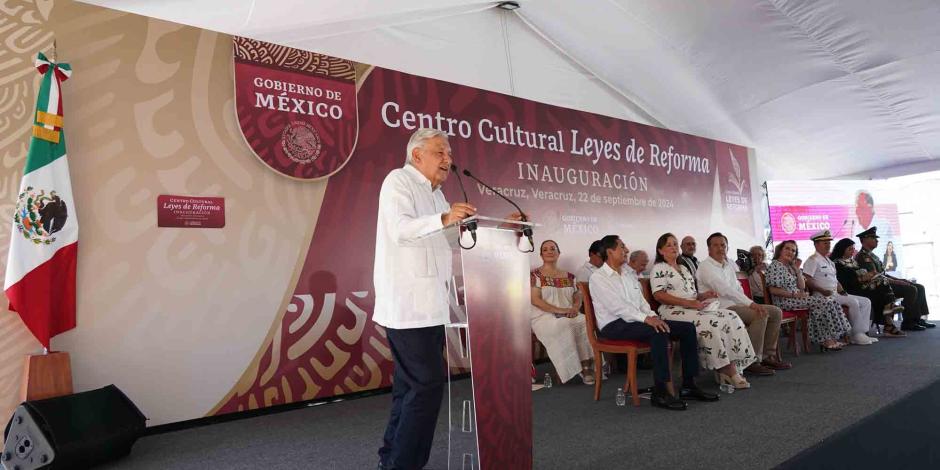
(891, 331)
(836, 346)
(736, 381)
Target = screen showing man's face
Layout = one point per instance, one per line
(863, 210)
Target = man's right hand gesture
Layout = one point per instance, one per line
(458, 211)
(657, 323)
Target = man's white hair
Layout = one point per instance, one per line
(418, 139)
(634, 255)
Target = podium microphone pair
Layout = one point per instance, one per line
(472, 226)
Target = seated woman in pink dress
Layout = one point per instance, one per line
(556, 320)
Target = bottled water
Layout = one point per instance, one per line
(621, 398)
(727, 388)
(548, 380)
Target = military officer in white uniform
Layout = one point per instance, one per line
(820, 274)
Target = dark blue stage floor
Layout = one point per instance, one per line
(763, 427)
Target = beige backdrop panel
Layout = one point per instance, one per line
(171, 316)
(24, 31)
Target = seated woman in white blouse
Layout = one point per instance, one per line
(723, 343)
(556, 320)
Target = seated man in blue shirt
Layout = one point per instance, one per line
(623, 314)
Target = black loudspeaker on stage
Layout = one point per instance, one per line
(73, 431)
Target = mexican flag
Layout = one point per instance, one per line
(40, 278)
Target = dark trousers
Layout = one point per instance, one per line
(915, 301)
(417, 390)
(682, 331)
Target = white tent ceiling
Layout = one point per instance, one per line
(821, 88)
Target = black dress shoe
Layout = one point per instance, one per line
(912, 327)
(695, 393)
(924, 324)
(667, 401)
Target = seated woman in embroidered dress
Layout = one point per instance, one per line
(723, 343)
(556, 320)
(787, 286)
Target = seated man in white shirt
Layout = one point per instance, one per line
(623, 314)
(639, 261)
(820, 275)
(594, 261)
(717, 273)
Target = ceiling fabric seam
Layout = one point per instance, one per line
(700, 73)
(631, 100)
(512, 80)
(899, 60)
(900, 167)
(652, 30)
(788, 93)
(388, 25)
(840, 63)
(251, 12)
(485, 5)
(844, 75)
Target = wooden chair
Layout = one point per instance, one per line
(746, 285)
(601, 345)
(648, 293)
(791, 320)
(791, 317)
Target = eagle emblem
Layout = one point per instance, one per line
(301, 142)
(39, 215)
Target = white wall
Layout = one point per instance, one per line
(920, 231)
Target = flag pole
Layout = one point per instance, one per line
(45, 350)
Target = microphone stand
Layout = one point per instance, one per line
(526, 230)
(472, 225)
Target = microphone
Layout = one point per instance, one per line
(526, 230)
(472, 225)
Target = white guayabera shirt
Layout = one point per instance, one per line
(585, 271)
(723, 279)
(411, 273)
(617, 295)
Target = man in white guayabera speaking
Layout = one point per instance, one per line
(411, 283)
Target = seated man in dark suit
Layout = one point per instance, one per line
(623, 314)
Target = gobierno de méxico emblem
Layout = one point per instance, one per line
(39, 215)
(301, 142)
